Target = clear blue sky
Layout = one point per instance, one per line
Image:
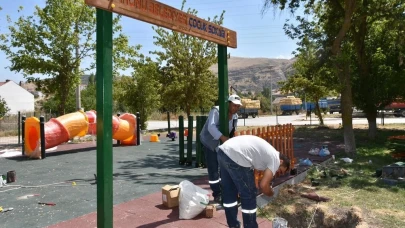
(257, 36)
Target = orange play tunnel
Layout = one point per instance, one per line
(57, 130)
(124, 129)
(31, 135)
(60, 130)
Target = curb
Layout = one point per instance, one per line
(262, 200)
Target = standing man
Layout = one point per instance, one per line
(211, 137)
(237, 158)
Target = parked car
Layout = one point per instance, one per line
(397, 107)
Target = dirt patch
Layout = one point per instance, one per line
(302, 212)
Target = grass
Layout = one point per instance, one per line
(357, 198)
(7, 133)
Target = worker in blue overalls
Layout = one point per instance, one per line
(211, 137)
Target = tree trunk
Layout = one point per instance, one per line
(319, 113)
(343, 71)
(188, 110)
(346, 105)
(360, 33)
(372, 125)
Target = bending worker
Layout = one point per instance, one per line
(238, 157)
(211, 137)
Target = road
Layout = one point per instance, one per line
(273, 120)
(258, 121)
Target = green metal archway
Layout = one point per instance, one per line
(162, 15)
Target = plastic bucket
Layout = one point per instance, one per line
(154, 138)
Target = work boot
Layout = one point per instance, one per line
(218, 199)
(237, 226)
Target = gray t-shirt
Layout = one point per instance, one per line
(252, 151)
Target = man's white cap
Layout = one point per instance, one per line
(235, 99)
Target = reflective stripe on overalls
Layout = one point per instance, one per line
(214, 181)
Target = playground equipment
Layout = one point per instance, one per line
(172, 135)
(224, 37)
(78, 124)
(187, 159)
(154, 138)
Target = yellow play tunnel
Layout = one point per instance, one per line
(60, 130)
(57, 130)
(76, 123)
(124, 129)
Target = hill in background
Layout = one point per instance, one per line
(252, 74)
(244, 74)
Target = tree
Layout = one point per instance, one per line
(140, 93)
(310, 77)
(264, 103)
(3, 107)
(266, 92)
(334, 18)
(265, 99)
(52, 104)
(54, 42)
(88, 94)
(46, 44)
(377, 37)
(188, 82)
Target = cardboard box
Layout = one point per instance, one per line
(170, 195)
(210, 211)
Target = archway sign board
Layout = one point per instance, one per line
(162, 15)
(168, 17)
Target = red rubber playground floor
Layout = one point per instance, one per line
(139, 173)
(148, 212)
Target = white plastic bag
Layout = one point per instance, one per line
(279, 223)
(347, 160)
(324, 152)
(192, 200)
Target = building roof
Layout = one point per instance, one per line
(2, 83)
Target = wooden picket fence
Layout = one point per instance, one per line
(280, 137)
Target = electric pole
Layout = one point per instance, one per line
(271, 94)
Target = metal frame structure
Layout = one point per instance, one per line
(162, 15)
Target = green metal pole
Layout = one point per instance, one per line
(223, 89)
(203, 162)
(104, 119)
(181, 141)
(168, 122)
(19, 127)
(189, 159)
(197, 147)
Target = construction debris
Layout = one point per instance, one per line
(315, 197)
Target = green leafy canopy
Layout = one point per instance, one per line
(54, 42)
(185, 60)
(3, 107)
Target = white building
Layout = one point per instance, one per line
(16, 97)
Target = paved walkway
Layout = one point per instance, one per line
(148, 212)
(139, 172)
